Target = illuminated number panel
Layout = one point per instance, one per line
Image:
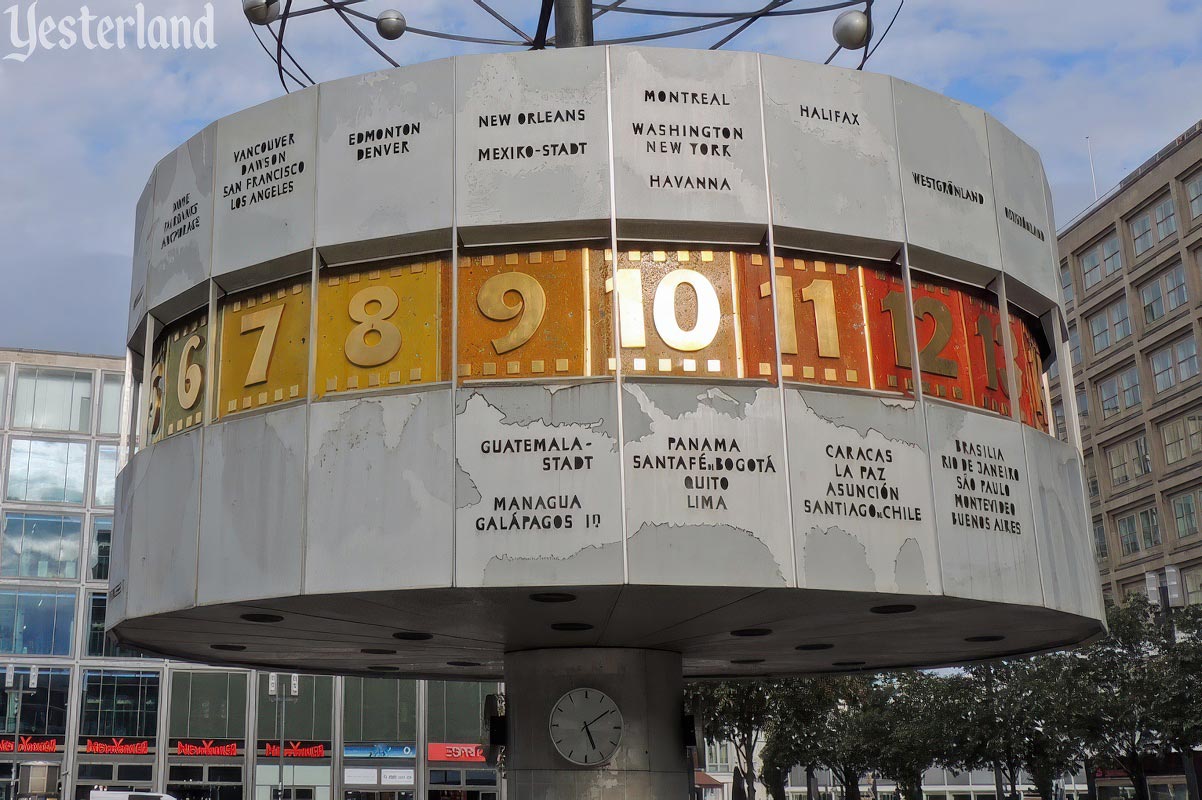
(986, 352)
(1029, 362)
(264, 346)
(823, 332)
(383, 327)
(678, 314)
(528, 315)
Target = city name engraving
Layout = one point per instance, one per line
(521, 152)
(707, 142)
(184, 219)
(392, 140)
(701, 456)
(948, 188)
(860, 486)
(984, 485)
(266, 172)
(830, 115)
(1021, 221)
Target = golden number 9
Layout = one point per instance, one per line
(532, 306)
(191, 376)
(387, 336)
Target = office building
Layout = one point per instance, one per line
(1130, 274)
(109, 717)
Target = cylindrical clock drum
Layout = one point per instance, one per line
(593, 370)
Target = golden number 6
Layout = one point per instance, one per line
(358, 350)
(155, 413)
(532, 307)
(191, 376)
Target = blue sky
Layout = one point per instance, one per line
(80, 130)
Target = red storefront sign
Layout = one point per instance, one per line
(296, 749)
(31, 744)
(206, 748)
(117, 747)
(455, 752)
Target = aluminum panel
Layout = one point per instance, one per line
(946, 184)
(832, 158)
(181, 246)
(163, 533)
(379, 498)
(1062, 526)
(688, 145)
(1022, 218)
(705, 486)
(143, 229)
(863, 516)
(264, 186)
(536, 481)
(384, 163)
(252, 511)
(532, 146)
(987, 543)
(123, 520)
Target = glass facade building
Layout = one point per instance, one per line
(113, 718)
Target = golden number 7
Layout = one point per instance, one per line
(267, 320)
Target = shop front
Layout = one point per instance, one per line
(205, 769)
(307, 770)
(459, 771)
(118, 731)
(379, 770)
(35, 721)
(206, 754)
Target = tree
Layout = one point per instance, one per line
(847, 744)
(1119, 710)
(911, 720)
(736, 711)
(796, 724)
(1179, 703)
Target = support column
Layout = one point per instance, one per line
(646, 686)
(573, 23)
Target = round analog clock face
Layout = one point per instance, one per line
(586, 727)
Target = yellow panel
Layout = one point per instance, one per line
(185, 384)
(380, 328)
(264, 346)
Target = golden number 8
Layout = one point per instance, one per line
(359, 350)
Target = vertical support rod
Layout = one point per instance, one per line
(573, 23)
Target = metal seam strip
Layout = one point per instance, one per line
(453, 367)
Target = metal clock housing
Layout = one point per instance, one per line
(586, 727)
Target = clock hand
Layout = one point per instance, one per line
(590, 722)
(591, 743)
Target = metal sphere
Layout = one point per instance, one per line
(851, 29)
(261, 12)
(391, 24)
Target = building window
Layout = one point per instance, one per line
(1061, 426)
(120, 703)
(36, 622)
(3, 390)
(1129, 384)
(1164, 294)
(1091, 476)
(1149, 526)
(1166, 219)
(1185, 515)
(1193, 190)
(379, 710)
(47, 472)
(1191, 579)
(1141, 233)
(98, 554)
(1128, 460)
(310, 716)
(110, 403)
(1110, 325)
(719, 756)
(1082, 404)
(53, 400)
(1182, 437)
(1174, 364)
(99, 645)
(106, 475)
(208, 705)
(42, 710)
(1091, 268)
(1128, 536)
(40, 546)
(1066, 283)
(1112, 259)
(1100, 547)
(1074, 344)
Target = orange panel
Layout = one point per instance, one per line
(1032, 400)
(987, 351)
(676, 313)
(824, 338)
(756, 322)
(524, 315)
(888, 334)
